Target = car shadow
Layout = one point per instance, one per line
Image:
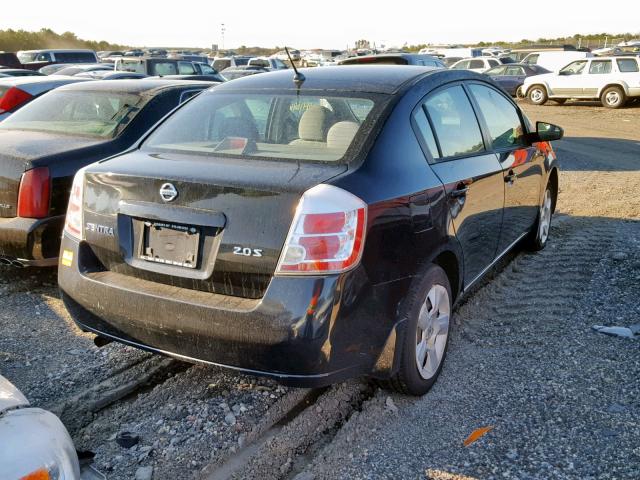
(598, 154)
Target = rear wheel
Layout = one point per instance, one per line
(427, 314)
(519, 92)
(613, 97)
(538, 95)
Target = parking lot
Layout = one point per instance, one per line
(562, 400)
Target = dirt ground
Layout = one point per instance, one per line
(523, 359)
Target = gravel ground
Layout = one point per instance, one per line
(563, 399)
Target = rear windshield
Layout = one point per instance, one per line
(268, 125)
(93, 114)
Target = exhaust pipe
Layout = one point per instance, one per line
(101, 341)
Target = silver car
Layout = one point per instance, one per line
(35, 443)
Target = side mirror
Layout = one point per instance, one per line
(546, 132)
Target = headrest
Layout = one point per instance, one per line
(341, 135)
(313, 123)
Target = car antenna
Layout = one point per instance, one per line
(298, 78)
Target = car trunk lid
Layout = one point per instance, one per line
(223, 232)
(20, 151)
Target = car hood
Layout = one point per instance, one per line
(25, 146)
(10, 396)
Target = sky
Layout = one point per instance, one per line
(316, 24)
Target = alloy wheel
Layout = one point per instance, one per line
(432, 331)
(612, 98)
(545, 217)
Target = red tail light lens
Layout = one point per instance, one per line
(13, 98)
(327, 233)
(74, 219)
(33, 196)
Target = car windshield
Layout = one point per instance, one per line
(85, 113)
(241, 61)
(268, 125)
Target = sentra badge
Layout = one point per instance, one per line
(99, 229)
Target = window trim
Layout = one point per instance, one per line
(483, 123)
(421, 141)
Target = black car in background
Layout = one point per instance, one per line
(511, 76)
(19, 72)
(47, 141)
(396, 59)
(309, 231)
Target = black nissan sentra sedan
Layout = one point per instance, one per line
(46, 142)
(309, 231)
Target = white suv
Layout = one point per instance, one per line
(613, 80)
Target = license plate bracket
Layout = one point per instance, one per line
(170, 244)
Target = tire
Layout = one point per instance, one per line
(537, 95)
(560, 101)
(539, 234)
(519, 93)
(428, 302)
(613, 97)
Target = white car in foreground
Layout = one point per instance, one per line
(612, 80)
(35, 443)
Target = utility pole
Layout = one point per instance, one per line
(222, 30)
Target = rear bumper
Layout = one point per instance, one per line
(32, 242)
(306, 331)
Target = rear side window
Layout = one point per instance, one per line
(75, 57)
(532, 59)
(501, 117)
(626, 65)
(496, 71)
(186, 68)
(425, 132)
(599, 67)
(476, 64)
(461, 65)
(515, 71)
(455, 124)
(165, 68)
(493, 63)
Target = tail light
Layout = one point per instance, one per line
(12, 98)
(74, 219)
(327, 233)
(33, 196)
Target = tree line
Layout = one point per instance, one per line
(14, 40)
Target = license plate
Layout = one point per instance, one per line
(170, 244)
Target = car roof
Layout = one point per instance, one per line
(31, 79)
(136, 86)
(385, 79)
(54, 50)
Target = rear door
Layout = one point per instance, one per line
(472, 175)
(597, 76)
(522, 165)
(514, 77)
